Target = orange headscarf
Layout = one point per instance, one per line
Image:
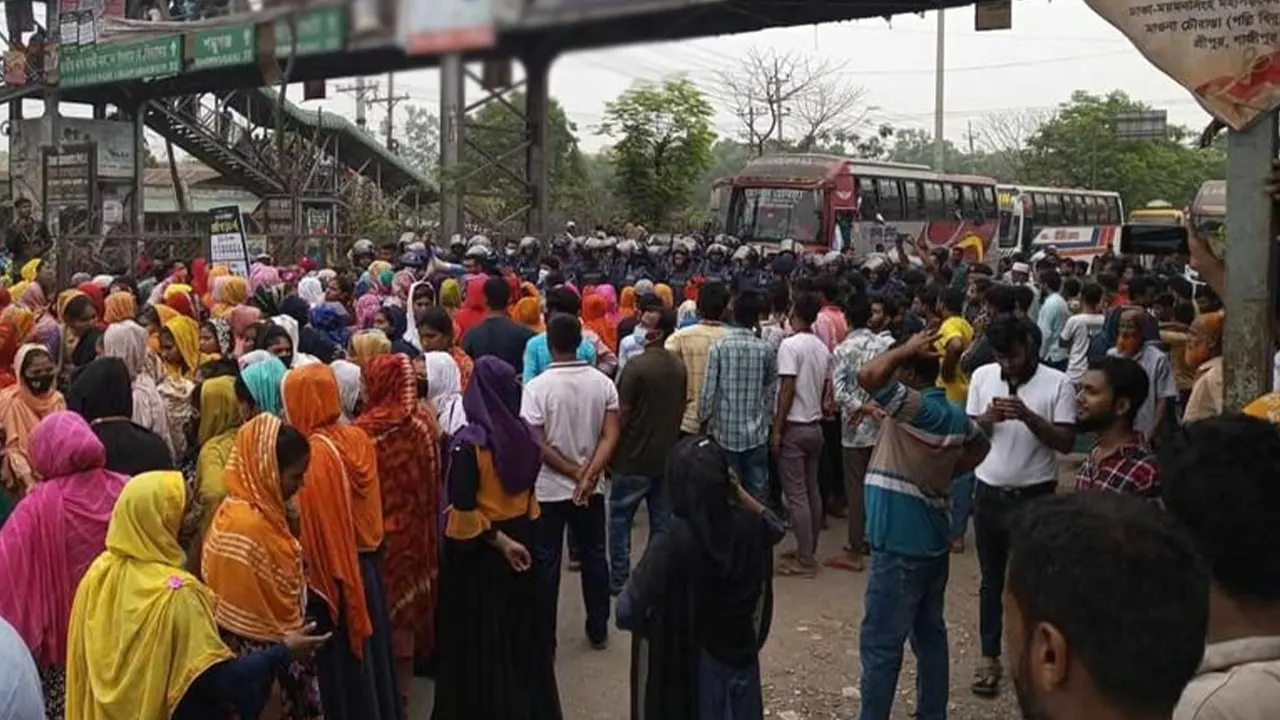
(16, 324)
(251, 560)
(227, 293)
(529, 314)
(312, 402)
(121, 306)
(627, 303)
(594, 309)
(664, 293)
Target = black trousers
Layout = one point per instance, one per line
(992, 508)
(831, 467)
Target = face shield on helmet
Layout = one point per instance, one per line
(529, 245)
(717, 252)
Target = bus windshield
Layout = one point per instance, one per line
(774, 214)
(1008, 229)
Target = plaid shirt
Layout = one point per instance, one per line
(691, 345)
(1131, 469)
(857, 350)
(738, 390)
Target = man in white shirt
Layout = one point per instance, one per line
(804, 374)
(573, 408)
(1080, 330)
(1028, 411)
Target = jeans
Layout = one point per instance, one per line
(961, 504)
(752, 468)
(588, 524)
(798, 457)
(726, 692)
(856, 461)
(904, 601)
(625, 494)
(992, 508)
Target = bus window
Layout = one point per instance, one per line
(935, 204)
(1008, 228)
(1041, 208)
(1097, 213)
(1071, 214)
(913, 201)
(868, 205)
(1054, 209)
(890, 199)
(955, 201)
(1113, 211)
(989, 207)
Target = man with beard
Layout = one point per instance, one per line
(1106, 607)
(1028, 411)
(1130, 343)
(1121, 460)
(27, 237)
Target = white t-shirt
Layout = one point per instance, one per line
(1077, 333)
(806, 358)
(1018, 458)
(567, 403)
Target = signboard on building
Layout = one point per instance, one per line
(227, 240)
(446, 26)
(993, 15)
(120, 62)
(1226, 52)
(113, 143)
(322, 30)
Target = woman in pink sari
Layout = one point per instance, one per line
(50, 539)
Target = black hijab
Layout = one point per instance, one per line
(103, 395)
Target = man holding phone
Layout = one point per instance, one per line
(1028, 411)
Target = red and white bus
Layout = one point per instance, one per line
(1080, 224)
(827, 201)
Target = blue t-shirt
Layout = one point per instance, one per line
(537, 355)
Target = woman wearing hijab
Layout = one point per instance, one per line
(118, 307)
(262, 381)
(102, 395)
(350, 388)
(251, 559)
(330, 319)
(242, 319)
(664, 294)
(22, 406)
(52, 536)
(473, 308)
(308, 341)
(219, 421)
(393, 323)
(215, 338)
(262, 275)
(367, 345)
(180, 354)
(699, 603)
(595, 317)
(408, 470)
(489, 662)
(229, 293)
(158, 654)
(528, 312)
(444, 392)
(127, 340)
(435, 332)
(15, 326)
(311, 290)
(340, 507)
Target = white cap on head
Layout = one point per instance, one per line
(1021, 267)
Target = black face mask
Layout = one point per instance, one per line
(422, 388)
(39, 384)
(287, 359)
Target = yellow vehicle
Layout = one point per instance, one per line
(1157, 212)
(1209, 214)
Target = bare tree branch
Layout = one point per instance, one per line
(1004, 136)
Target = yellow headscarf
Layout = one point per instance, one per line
(219, 420)
(186, 335)
(367, 345)
(30, 270)
(142, 628)
(451, 294)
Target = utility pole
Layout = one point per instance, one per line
(392, 100)
(970, 136)
(940, 91)
(361, 90)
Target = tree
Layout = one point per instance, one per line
(497, 132)
(1078, 147)
(421, 143)
(1003, 138)
(770, 93)
(664, 140)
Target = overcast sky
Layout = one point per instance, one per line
(1053, 49)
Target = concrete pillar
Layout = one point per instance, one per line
(539, 155)
(452, 127)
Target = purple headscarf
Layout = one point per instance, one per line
(492, 404)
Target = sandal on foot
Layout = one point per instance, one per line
(986, 680)
(851, 561)
(794, 568)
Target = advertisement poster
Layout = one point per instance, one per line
(227, 240)
(445, 26)
(1226, 52)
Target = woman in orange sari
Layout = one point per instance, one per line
(253, 562)
(595, 308)
(409, 472)
(22, 406)
(15, 325)
(341, 530)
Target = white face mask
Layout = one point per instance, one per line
(542, 275)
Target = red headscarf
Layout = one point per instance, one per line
(199, 277)
(182, 303)
(473, 306)
(94, 291)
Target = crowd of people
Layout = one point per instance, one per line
(284, 495)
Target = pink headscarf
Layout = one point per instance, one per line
(55, 532)
(240, 318)
(260, 275)
(610, 296)
(366, 309)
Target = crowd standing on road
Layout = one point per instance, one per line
(284, 495)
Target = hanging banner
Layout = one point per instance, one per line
(1226, 52)
(446, 26)
(227, 240)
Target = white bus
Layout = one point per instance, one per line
(1081, 224)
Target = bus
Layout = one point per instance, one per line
(828, 202)
(1157, 212)
(1080, 224)
(719, 202)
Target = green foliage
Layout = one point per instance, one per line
(421, 143)
(664, 143)
(1078, 147)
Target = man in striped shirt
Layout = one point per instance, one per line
(924, 442)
